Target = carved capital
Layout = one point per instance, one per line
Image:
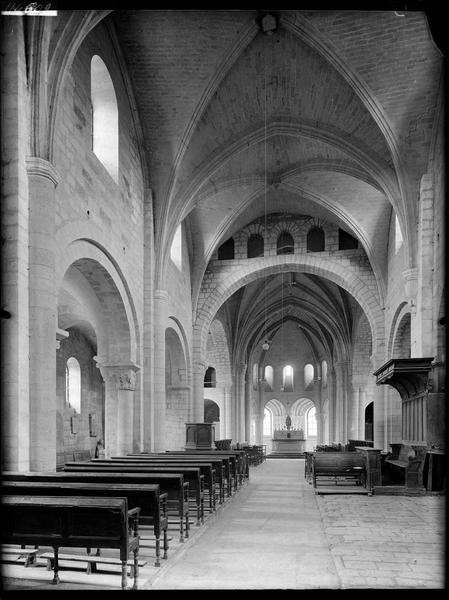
(124, 376)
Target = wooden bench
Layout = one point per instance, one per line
(152, 504)
(172, 483)
(212, 468)
(192, 474)
(338, 466)
(67, 456)
(407, 463)
(11, 552)
(92, 561)
(72, 522)
(229, 460)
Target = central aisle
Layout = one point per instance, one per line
(268, 536)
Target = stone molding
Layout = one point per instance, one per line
(39, 167)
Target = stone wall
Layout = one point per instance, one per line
(92, 396)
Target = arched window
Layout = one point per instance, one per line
(268, 422)
(176, 248)
(346, 241)
(211, 411)
(104, 116)
(308, 375)
(315, 239)
(210, 378)
(285, 243)
(255, 376)
(324, 373)
(268, 376)
(73, 384)
(287, 379)
(226, 250)
(255, 245)
(311, 422)
(398, 239)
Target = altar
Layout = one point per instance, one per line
(288, 440)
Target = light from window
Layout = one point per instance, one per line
(287, 378)
(269, 376)
(398, 239)
(268, 422)
(104, 116)
(176, 248)
(255, 376)
(308, 375)
(73, 384)
(311, 421)
(324, 373)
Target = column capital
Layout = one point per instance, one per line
(39, 167)
(123, 375)
(61, 334)
(161, 295)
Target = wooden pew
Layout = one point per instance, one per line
(71, 522)
(347, 465)
(212, 467)
(408, 461)
(153, 504)
(229, 461)
(173, 483)
(178, 488)
(192, 474)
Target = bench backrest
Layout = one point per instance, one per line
(338, 459)
(173, 484)
(66, 521)
(146, 496)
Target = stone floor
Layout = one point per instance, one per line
(276, 533)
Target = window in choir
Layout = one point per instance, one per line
(73, 384)
(285, 243)
(176, 248)
(311, 422)
(255, 376)
(255, 245)
(315, 239)
(210, 378)
(105, 143)
(268, 376)
(324, 373)
(287, 379)
(308, 376)
(226, 250)
(346, 241)
(267, 422)
(398, 239)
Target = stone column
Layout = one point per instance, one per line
(342, 408)
(424, 322)
(227, 401)
(159, 399)
(199, 369)
(147, 378)
(331, 404)
(248, 409)
(120, 384)
(15, 388)
(43, 180)
(320, 427)
(240, 402)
